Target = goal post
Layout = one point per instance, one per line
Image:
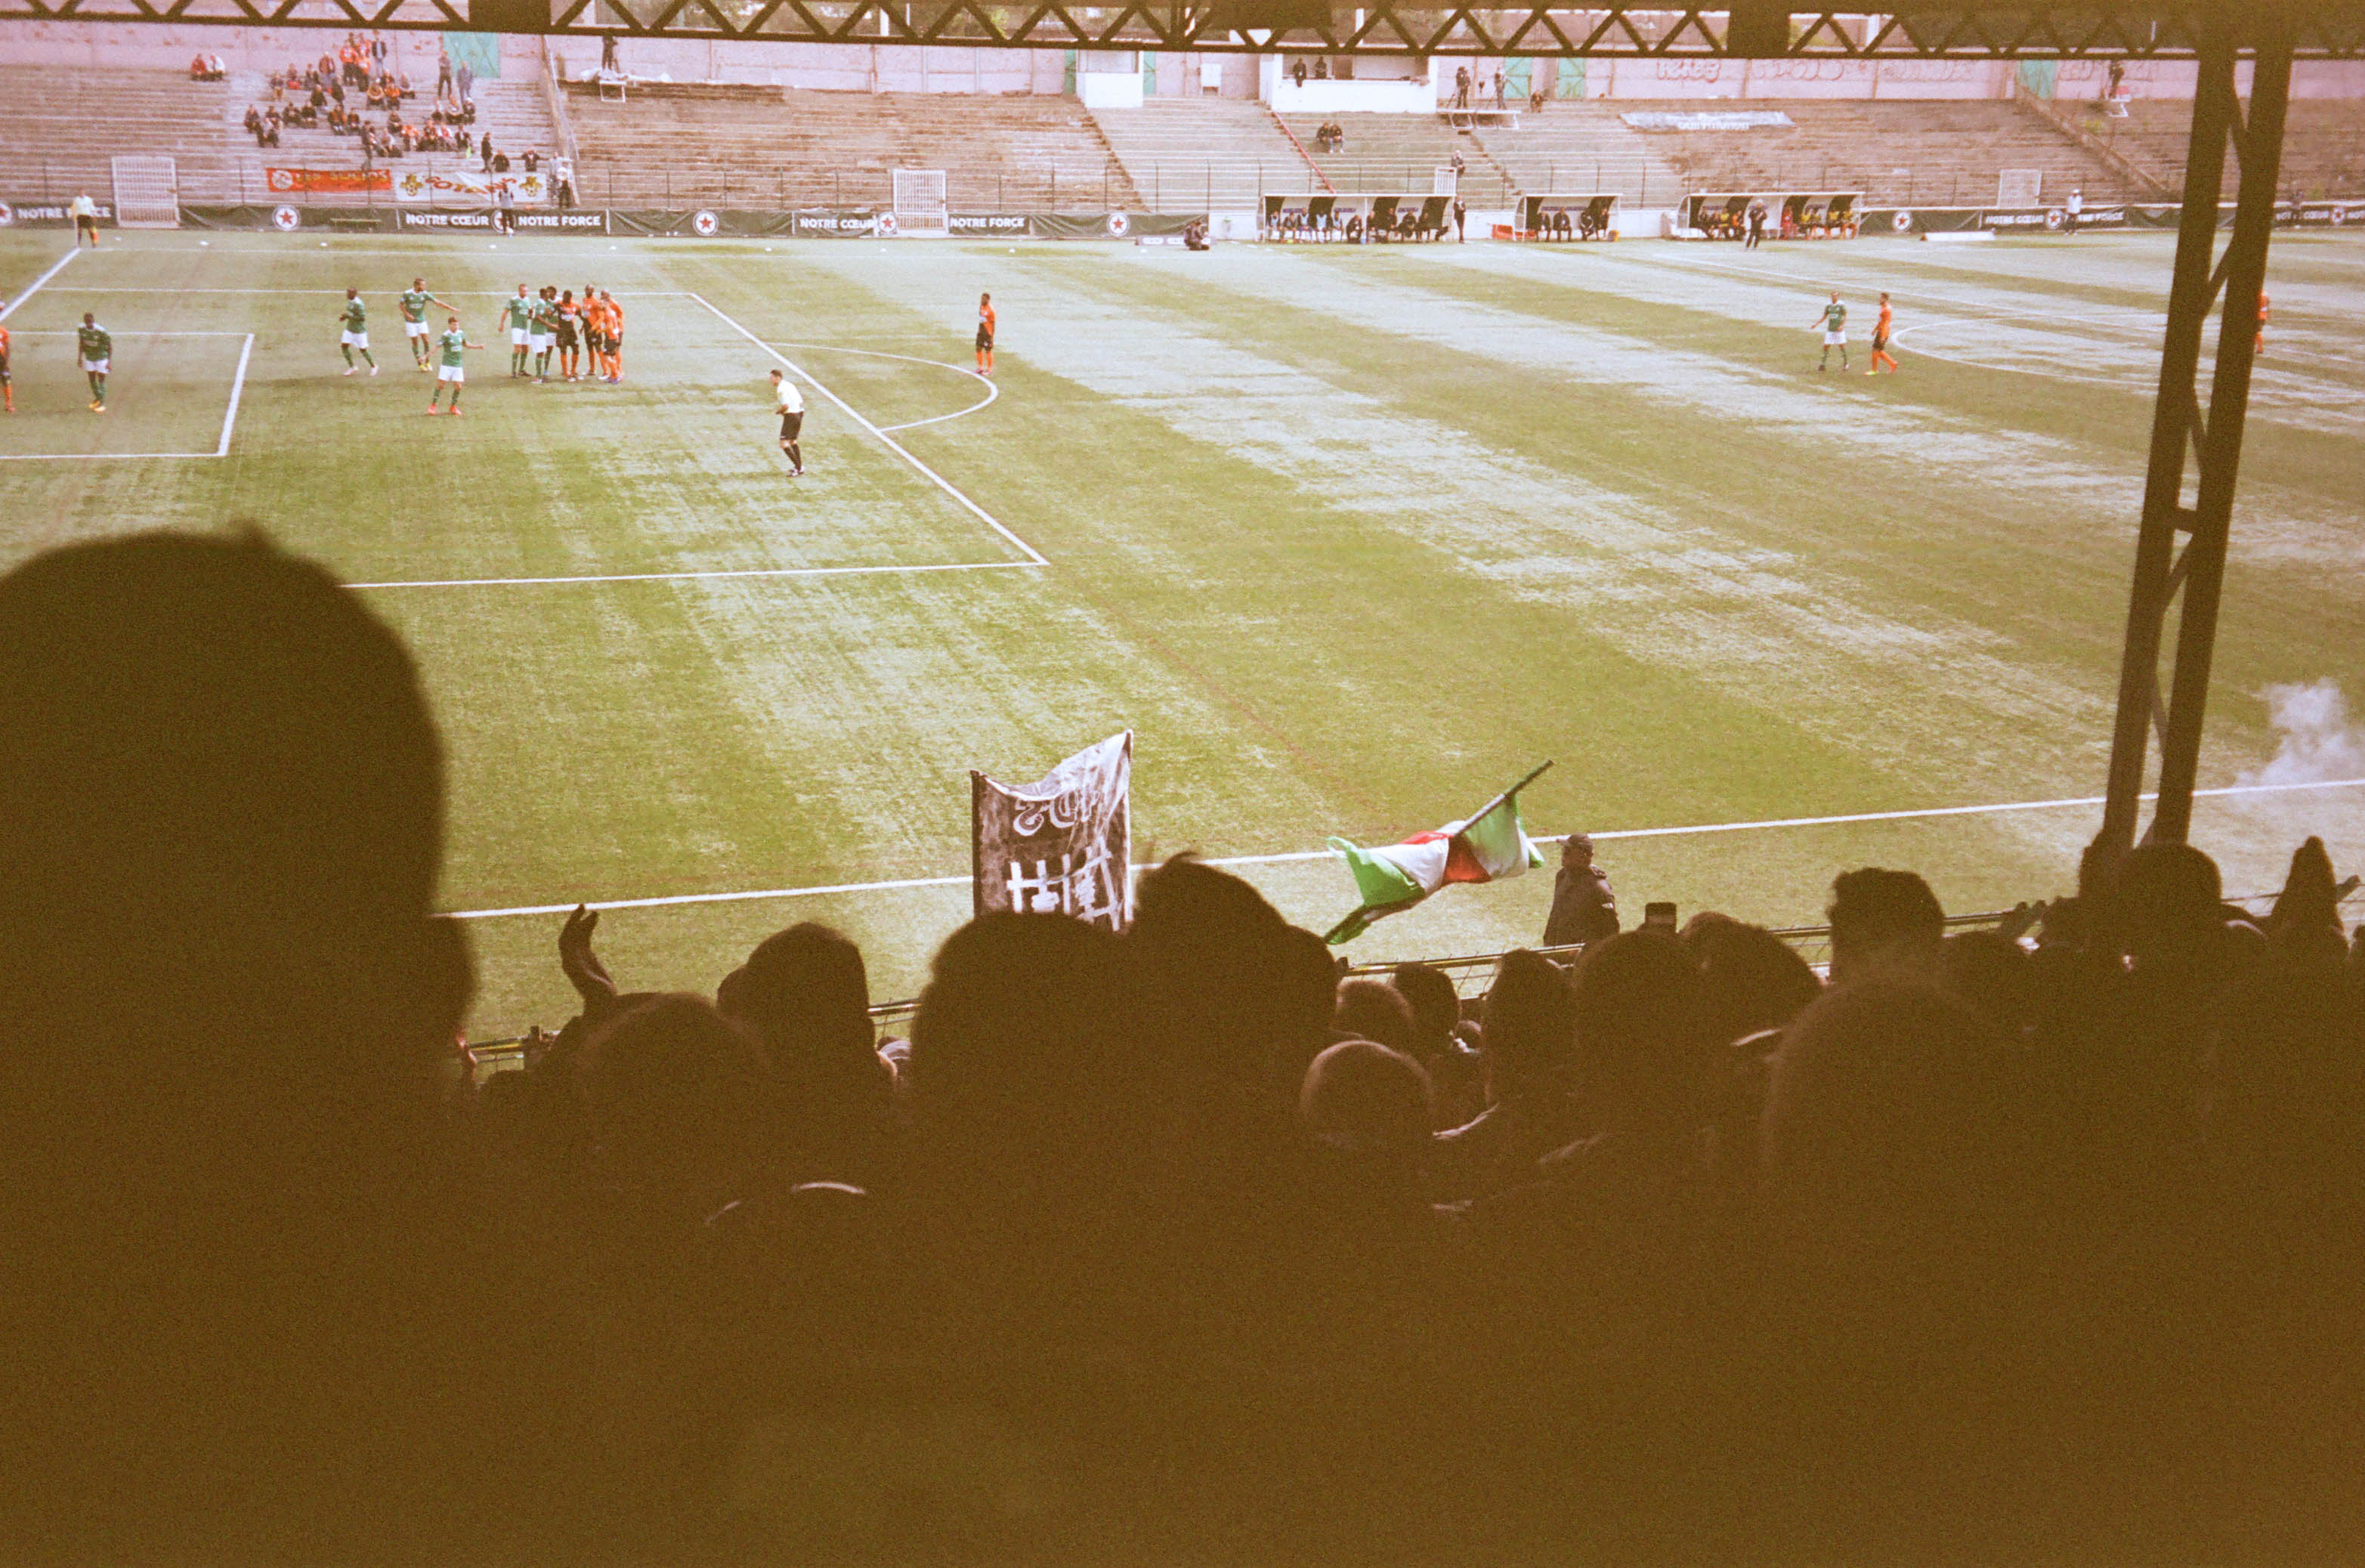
(920, 201)
(147, 193)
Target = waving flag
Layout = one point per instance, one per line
(1486, 847)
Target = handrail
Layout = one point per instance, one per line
(1300, 146)
(556, 102)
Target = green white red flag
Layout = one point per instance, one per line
(1487, 846)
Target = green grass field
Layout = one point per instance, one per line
(1350, 539)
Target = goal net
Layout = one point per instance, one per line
(920, 201)
(147, 193)
(2019, 187)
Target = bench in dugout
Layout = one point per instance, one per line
(1354, 218)
(1789, 215)
(1548, 218)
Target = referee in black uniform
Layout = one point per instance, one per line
(793, 420)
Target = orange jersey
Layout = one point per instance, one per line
(985, 317)
(1880, 328)
(615, 316)
(3, 343)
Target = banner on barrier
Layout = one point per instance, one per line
(44, 213)
(470, 184)
(281, 181)
(575, 220)
(1909, 220)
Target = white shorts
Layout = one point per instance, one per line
(354, 339)
(94, 368)
(539, 343)
(414, 329)
(517, 337)
(454, 374)
(1834, 340)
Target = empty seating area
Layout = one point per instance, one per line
(2323, 143)
(60, 125)
(1403, 152)
(1573, 146)
(1205, 154)
(1909, 153)
(759, 146)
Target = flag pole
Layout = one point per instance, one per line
(1540, 771)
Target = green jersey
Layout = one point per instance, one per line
(1835, 316)
(356, 316)
(452, 341)
(96, 343)
(415, 303)
(546, 317)
(520, 312)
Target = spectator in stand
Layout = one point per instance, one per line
(1298, 72)
(1461, 87)
(1375, 1011)
(247, 1280)
(1498, 89)
(443, 71)
(1527, 1042)
(485, 148)
(1884, 923)
(1583, 907)
(532, 158)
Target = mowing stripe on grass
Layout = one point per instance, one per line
(687, 576)
(1033, 555)
(1690, 831)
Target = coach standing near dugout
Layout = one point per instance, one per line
(792, 421)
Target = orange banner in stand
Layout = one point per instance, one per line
(284, 181)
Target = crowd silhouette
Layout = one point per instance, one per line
(1160, 1245)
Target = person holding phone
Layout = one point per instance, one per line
(1583, 907)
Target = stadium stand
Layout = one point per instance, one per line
(767, 146)
(2324, 142)
(1573, 146)
(1921, 153)
(1165, 1238)
(1403, 152)
(512, 113)
(60, 125)
(1205, 154)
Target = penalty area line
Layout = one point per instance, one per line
(1034, 556)
(1926, 812)
(55, 268)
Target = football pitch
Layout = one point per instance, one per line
(1350, 539)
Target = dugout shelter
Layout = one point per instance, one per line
(1546, 218)
(1337, 218)
(1789, 215)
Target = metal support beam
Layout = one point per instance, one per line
(2185, 440)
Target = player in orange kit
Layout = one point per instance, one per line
(1881, 330)
(615, 336)
(985, 334)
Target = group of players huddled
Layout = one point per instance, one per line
(585, 337)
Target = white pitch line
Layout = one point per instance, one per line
(1332, 854)
(93, 457)
(55, 268)
(1033, 555)
(471, 293)
(992, 390)
(687, 577)
(237, 390)
(136, 333)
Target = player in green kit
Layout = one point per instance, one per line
(356, 333)
(414, 303)
(520, 320)
(542, 331)
(94, 348)
(1835, 324)
(451, 373)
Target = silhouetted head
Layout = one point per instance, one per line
(1529, 1026)
(1363, 1098)
(1992, 975)
(1577, 850)
(803, 990)
(1752, 979)
(1436, 1007)
(224, 800)
(2166, 909)
(1374, 1010)
(1884, 921)
(1640, 1030)
(677, 1104)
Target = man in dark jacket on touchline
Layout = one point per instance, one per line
(1582, 908)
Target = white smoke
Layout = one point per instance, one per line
(2318, 745)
